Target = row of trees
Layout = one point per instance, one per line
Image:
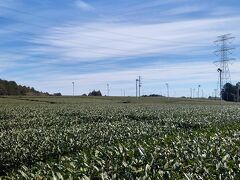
(231, 92)
(93, 93)
(11, 88)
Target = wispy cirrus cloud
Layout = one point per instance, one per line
(154, 79)
(184, 10)
(83, 5)
(6, 2)
(163, 41)
(99, 41)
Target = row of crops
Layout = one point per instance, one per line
(119, 141)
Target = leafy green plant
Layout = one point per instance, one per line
(119, 141)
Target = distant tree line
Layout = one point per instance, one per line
(57, 94)
(95, 93)
(153, 95)
(231, 92)
(11, 88)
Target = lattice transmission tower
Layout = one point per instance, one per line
(224, 50)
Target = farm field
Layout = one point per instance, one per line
(118, 138)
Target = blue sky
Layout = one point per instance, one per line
(48, 44)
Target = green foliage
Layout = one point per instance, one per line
(230, 92)
(95, 93)
(119, 141)
(11, 88)
(57, 94)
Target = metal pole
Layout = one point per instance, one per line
(238, 93)
(167, 90)
(73, 88)
(136, 87)
(108, 90)
(220, 74)
(215, 90)
(220, 84)
(139, 85)
(198, 91)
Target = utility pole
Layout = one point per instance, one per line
(108, 89)
(215, 90)
(139, 85)
(223, 43)
(136, 87)
(238, 92)
(73, 88)
(198, 90)
(167, 85)
(220, 80)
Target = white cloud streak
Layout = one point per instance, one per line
(154, 76)
(98, 41)
(78, 42)
(184, 10)
(83, 5)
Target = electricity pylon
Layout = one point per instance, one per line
(223, 43)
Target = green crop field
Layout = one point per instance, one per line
(118, 138)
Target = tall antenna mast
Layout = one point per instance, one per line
(223, 43)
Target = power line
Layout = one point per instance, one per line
(90, 48)
(130, 41)
(115, 49)
(103, 30)
(138, 9)
(87, 48)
